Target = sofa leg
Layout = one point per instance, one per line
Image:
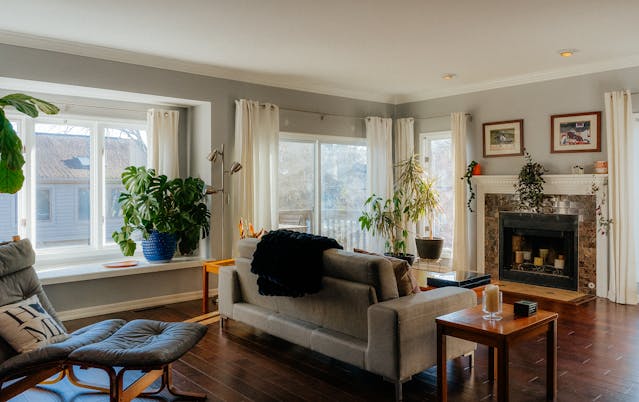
(398, 387)
(398, 391)
(222, 321)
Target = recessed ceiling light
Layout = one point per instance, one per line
(449, 76)
(567, 52)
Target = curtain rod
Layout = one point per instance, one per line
(438, 116)
(105, 107)
(322, 115)
(354, 117)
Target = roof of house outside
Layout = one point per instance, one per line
(66, 157)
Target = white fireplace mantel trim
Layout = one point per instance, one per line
(561, 184)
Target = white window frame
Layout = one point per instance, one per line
(318, 140)
(424, 150)
(98, 248)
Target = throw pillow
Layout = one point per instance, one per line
(404, 276)
(26, 325)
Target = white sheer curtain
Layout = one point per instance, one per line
(461, 252)
(622, 283)
(256, 148)
(380, 161)
(404, 148)
(162, 129)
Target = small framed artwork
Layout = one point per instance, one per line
(504, 138)
(577, 132)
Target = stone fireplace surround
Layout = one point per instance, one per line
(568, 194)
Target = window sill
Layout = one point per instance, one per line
(95, 270)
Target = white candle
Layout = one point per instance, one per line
(492, 298)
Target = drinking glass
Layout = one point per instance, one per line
(488, 306)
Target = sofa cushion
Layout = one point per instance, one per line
(339, 346)
(255, 316)
(367, 269)
(291, 329)
(404, 276)
(341, 306)
(248, 285)
(26, 325)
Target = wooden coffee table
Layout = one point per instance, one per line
(468, 324)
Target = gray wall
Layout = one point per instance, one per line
(39, 65)
(534, 103)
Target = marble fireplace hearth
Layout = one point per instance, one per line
(568, 194)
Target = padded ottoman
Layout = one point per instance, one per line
(146, 345)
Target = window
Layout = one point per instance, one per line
(436, 151)
(84, 204)
(323, 186)
(43, 204)
(72, 181)
(63, 163)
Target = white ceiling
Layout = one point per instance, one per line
(390, 51)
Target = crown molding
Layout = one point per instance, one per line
(566, 72)
(149, 60)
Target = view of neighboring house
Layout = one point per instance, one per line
(62, 186)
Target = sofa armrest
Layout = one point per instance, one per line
(402, 333)
(228, 290)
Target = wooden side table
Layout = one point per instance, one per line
(468, 324)
(211, 267)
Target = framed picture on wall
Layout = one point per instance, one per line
(504, 138)
(577, 132)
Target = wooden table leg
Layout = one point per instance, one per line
(551, 361)
(442, 384)
(502, 373)
(205, 291)
(491, 364)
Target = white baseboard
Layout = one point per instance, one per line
(92, 311)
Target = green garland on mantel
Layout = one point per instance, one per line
(530, 185)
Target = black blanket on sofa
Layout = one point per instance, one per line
(290, 263)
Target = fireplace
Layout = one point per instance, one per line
(539, 249)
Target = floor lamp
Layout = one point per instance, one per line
(213, 157)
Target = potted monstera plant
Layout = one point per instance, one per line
(169, 214)
(11, 159)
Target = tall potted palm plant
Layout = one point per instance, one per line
(415, 196)
(421, 199)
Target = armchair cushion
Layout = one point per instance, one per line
(26, 325)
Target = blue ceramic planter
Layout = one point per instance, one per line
(160, 247)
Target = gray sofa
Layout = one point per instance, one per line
(357, 317)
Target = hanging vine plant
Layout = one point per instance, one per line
(467, 176)
(530, 185)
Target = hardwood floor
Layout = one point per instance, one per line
(597, 361)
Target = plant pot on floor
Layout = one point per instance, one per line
(430, 249)
(410, 258)
(159, 247)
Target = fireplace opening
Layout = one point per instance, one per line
(539, 249)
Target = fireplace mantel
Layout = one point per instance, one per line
(555, 185)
